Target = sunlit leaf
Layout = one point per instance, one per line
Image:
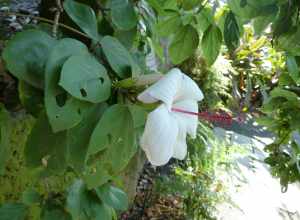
(184, 44)
(211, 44)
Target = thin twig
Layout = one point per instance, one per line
(58, 11)
(45, 20)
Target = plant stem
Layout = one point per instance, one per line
(47, 21)
(58, 11)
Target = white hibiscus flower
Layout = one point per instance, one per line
(166, 130)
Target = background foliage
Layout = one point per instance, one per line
(87, 123)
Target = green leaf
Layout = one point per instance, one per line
(288, 95)
(13, 211)
(204, 19)
(231, 32)
(127, 38)
(85, 205)
(118, 57)
(115, 136)
(247, 11)
(289, 42)
(76, 199)
(184, 44)
(293, 68)
(113, 197)
(45, 148)
(211, 44)
(190, 4)
(78, 137)
(83, 16)
(123, 14)
(25, 56)
(55, 213)
(110, 130)
(85, 78)
(262, 22)
(139, 115)
(169, 25)
(30, 196)
(5, 132)
(63, 111)
(31, 98)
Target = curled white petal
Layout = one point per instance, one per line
(189, 90)
(160, 135)
(189, 121)
(180, 147)
(164, 90)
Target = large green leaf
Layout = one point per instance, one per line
(63, 111)
(85, 78)
(114, 135)
(25, 56)
(123, 14)
(190, 4)
(184, 44)
(118, 57)
(83, 16)
(30, 196)
(204, 19)
(211, 43)
(169, 25)
(247, 12)
(45, 148)
(289, 42)
(293, 68)
(113, 197)
(13, 211)
(231, 32)
(31, 98)
(111, 129)
(85, 205)
(5, 131)
(78, 137)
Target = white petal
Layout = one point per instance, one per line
(189, 90)
(190, 122)
(160, 135)
(164, 90)
(180, 147)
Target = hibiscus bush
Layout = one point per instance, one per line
(80, 76)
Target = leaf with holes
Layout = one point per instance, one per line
(63, 110)
(211, 44)
(123, 14)
(119, 58)
(83, 16)
(113, 196)
(45, 148)
(184, 44)
(85, 79)
(26, 54)
(115, 136)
